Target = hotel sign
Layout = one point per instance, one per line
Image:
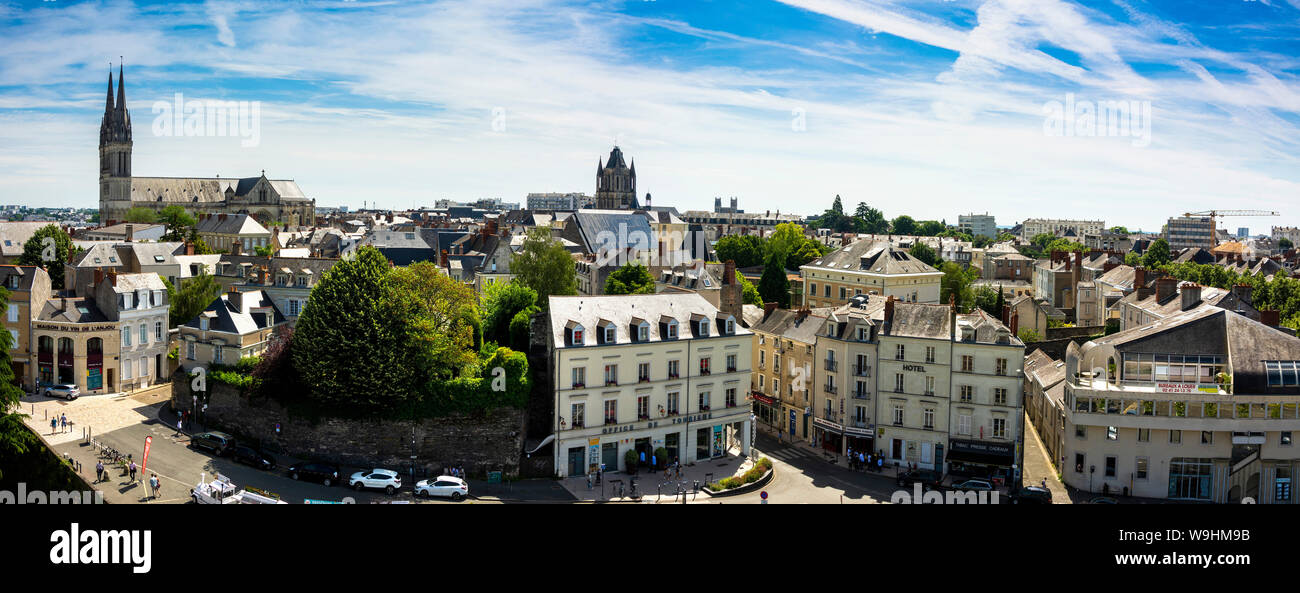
(916, 368)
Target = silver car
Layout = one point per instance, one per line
(66, 391)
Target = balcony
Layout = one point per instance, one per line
(611, 420)
(579, 423)
(831, 416)
(642, 416)
(830, 389)
(611, 382)
(861, 371)
(860, 423)
(732, 369)
(832, 365)
(704, 371)
(579, 385)
(861, 395)
(673, 375)
(704, 408)
(643, 379)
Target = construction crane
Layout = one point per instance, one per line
(1213, 214)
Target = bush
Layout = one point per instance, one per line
(629, 460)
(762, 466)
(661, 456)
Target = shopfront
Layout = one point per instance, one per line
(767, 410)
(981, 459)
(860, 439)
(828, 435)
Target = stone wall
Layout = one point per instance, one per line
(489, 442)
(1056, 333)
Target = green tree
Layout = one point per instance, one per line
(810, 250)
(632, 278)
(873, 221)
(179, 223)
(193, 297)
(263, 251)
(786, 239)
(37, 253)
(925, 253)
(544, 265)
(903, 225)
(837, 206)
(957, 282)
(748, 292)
(140, 214)
(501, 302)
(1132, 259)
(435, 321)
(1157, 255)
(745, 250)
(1284, 244)
(989, 299)
(1119, 230)
(773, 286)
(15, 439)
(930, 228)
(1029, 335)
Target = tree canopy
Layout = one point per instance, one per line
(1157, 255)
(903, 225)
(140, 214)
(35, 252)
(192, 298)
(544, 265)
(632, 278)
(957, 281)
(15, 439)
(745, 250)
(773, 286)
(501, 302)
(925, 253)
(179, 223)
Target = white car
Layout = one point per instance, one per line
(447, 486)
(380, 479)
(66, 391)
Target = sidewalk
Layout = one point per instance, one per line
(95, 413)
(888, 471)
(654, 488)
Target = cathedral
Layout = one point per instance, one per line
(267, 200)
(616, 183)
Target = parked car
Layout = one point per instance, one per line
(1103, 500)
(66, 391)
(317, 472)
(976, 485)
(1032, 495)
(447, 486)
(250, 456)
(929, 479)
(380, 479)
(219, 443)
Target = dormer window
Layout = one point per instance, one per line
(643, 332)
(703, 328)
(968, 334)
(575, 335)
(672, 330)
(609, 334)
(203, 323)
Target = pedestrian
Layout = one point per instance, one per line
(600, 473)
(1044, 483)
(880, 464)
(155, 485)
(54, 425)
(64, 420)
(132, 471)
(178, 427)
(99, 471)
(589, 480)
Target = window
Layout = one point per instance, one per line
(643, 333)
(144, 334)
(1081, 431)
(999, 428)
(672, 330)
(1281, 372)
(762, 358)
(704, 328)
(963, 424)
(1207, 437)
(144, 367)
(929, 353)
(899, 352)
(967, 363)
(217, 353)
(1141, 467)
(643, 407)
(844, 293)
(643, 372)
(611, 374)
(13, 312)
(731, 363)
(927, 416)
(579, 415)
(189, 350)
(898, 383)
(1112, 433)
(827, 291)
(158, 331)
(812, 289)
(126, 337)
(704, 366)
(1002, 366)
(295, 307)
(611, 411)
(609, 335)
(929, 385)
(761, 383)
(672, 369)
(1079, 462)
(673, 403)
(1111, 462)
(576, 336)
(898, 414)
(1144, 435)
(126, 369)
(579, 377)
(1175, 437)
(1286, 437)
(731, 326)
(705, 399)
(967, 392)
(731, 397)
(776, 386)
(1000, 396)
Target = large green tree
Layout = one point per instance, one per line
(748, 292)
(179, 222)
(632, 278)
(903, 225)
(544, 265)
(140, 214)
(872, 220)
(774, 287)
(194, 295)
(1157, 254)
(926, 254)
(48, 256)
(957, 282)
(745, 250)
(436, 319)
(501, 302)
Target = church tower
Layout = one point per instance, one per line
(616, 183)
(115, 154)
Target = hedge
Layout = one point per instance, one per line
(760, 468)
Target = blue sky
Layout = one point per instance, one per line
(930, 108)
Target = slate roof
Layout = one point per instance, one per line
(589, 228)
(225, 318)
(920, 320)
(987, 327)
(788, 326)
(199, 189)
(1194, 255)
(71, 310)
(877, 257)
(14, 234)
(230, 224)
(620, 310)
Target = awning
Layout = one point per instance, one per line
(984, 453)
(828, 425)
(764, 399)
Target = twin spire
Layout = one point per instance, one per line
(116, 126)
(121, 91)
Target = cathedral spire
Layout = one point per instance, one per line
(108, 103)
(121, 88)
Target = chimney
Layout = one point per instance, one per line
(1006, 315)
(130, 232)
(889, 314)
(803, 313)
(221, 217)
(232, 297)
(767, 309)
(1014, 326)
(1139, 280)
(1191, 295)
(99, 276)
(236, 248)
(189, 248)
(1108, 266)
(1165, 288)
(1243, 292)
(1270, 317)
(729, 272)
(442, 260)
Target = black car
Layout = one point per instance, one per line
(250, 456)
(928, 479)
(217, 442)
(317, 472)
(1032, 495)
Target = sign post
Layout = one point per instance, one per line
(763, 495)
